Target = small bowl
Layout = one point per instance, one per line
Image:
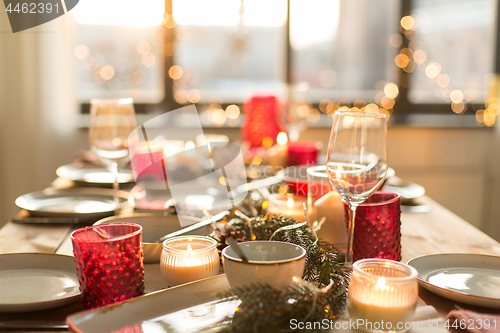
(155, 226)
(274, 263)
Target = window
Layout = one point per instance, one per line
(319, 55)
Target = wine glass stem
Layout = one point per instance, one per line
(114, 170)
(350, 237)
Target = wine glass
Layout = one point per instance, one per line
(111, 122)
(357, 161)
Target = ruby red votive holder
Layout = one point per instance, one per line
(302, 152)
(377, 228)
(109, 263)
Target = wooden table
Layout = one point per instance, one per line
(438, 231)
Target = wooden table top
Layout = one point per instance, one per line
(438, 231)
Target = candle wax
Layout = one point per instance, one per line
(376, 313)
(331, 207)
(191, 269)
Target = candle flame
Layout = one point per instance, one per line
(189, 248)
(381, 284)
(282, 138)
(290, 202)
(295, 279)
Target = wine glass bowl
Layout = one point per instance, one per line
(111, 122)
(357, 160)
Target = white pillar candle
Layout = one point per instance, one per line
(382, 295)
(331, 207)
(189, 258)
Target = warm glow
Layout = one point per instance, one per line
(303, 110)
(144, 47)
(391, 90)
(295, 279)
(402, 60)
(175, 72)
(107, 72)
(190, 250)
(193, 96)
(81, 51)
(381, 284)
(443, 80)
(456, 96)
(313, 116)
(290, 203)
(407, 22)
(387, 102)
(373, 108)
(232, 111)
(218, 117)
(189, 147)
(395, 40)
(267, 142)
(127, 13)
(223, 181)
(420, 56)
(432, 70)
(148, 60)
(458, 107)
(282, 138)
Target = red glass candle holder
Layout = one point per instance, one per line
(302, 152)
(109, 263)
(263, 119)
(146, 161)
(377, 228)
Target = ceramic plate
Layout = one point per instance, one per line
(84, 203)
(468, 278)
(36, 281)
(90, 173)
(185, 308)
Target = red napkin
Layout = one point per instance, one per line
(472, 322)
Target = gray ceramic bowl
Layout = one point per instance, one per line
(275, 263)
(155, 226)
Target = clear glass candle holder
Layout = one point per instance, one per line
(189, 258)
(382, 295)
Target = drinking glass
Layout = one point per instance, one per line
(111, 121)
(357, 161)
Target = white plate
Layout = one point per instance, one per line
(185, 308)
(84, 203)
(468, 278)
(36, 281)
(89, 173)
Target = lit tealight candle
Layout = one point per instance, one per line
(288, 205)
(189, 258)
(382, 295)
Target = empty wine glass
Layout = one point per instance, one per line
(111, 121)
(357, 161)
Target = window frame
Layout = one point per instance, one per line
(405, 112)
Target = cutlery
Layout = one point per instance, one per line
(194, 226)
(234, 245)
